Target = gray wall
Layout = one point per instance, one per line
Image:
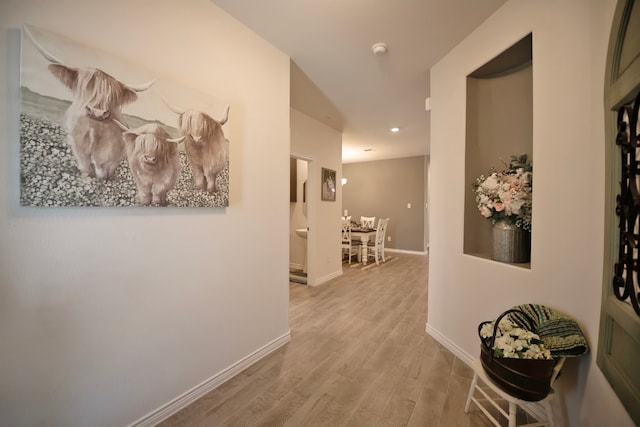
(384, 188)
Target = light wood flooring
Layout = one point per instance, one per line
(358, 356)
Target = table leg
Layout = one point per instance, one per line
(365, 256)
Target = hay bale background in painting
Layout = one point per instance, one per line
(49, 174)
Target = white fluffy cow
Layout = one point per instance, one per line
(153, 161)
(96, 141)
(205, 144)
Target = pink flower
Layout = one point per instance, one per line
(498, 206)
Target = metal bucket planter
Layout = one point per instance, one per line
(510, 243)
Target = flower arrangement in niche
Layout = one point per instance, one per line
(514, 342)
(507, 195)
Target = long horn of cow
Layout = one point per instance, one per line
(173, 108)
(41, 49)
(176, 140)
(226, 116)
(141, 87)
(121, 126)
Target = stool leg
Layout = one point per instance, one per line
(547, 408)
(472, 389)
(512, 414)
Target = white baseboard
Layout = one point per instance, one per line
(190, 396)
(295, 266)
(403, 251)
(450, 345)
(326, 278)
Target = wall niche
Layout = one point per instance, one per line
(499, 124)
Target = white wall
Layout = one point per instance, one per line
(107, 314)
(314, 140)
(569, 53)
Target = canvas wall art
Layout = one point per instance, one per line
(328, 190)
(98, 130)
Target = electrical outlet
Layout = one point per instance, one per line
(388, 238)
(408, 205)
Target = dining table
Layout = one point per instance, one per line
(364, 234)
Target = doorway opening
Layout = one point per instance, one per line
(299, 221)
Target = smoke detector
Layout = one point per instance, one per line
(379, 49)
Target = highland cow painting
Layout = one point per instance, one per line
(98, 130)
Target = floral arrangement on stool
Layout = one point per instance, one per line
(505, 198)
(521, 355)
(513, 341)
(515, 357)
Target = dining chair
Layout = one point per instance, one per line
(350, 247)
(375, 249)
(367, 221)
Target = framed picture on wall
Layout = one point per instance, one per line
(328, 189)
(83, 131)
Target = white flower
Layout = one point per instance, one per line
(486, 330)
(513, 341)
(491, 183)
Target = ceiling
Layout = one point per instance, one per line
(336, 78)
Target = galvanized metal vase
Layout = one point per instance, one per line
(510, 243)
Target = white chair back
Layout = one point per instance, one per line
(346, 232)
(375, 249)
(368, 221)
(381, 231)
(349, 247)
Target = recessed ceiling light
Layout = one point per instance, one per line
(394, 129)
